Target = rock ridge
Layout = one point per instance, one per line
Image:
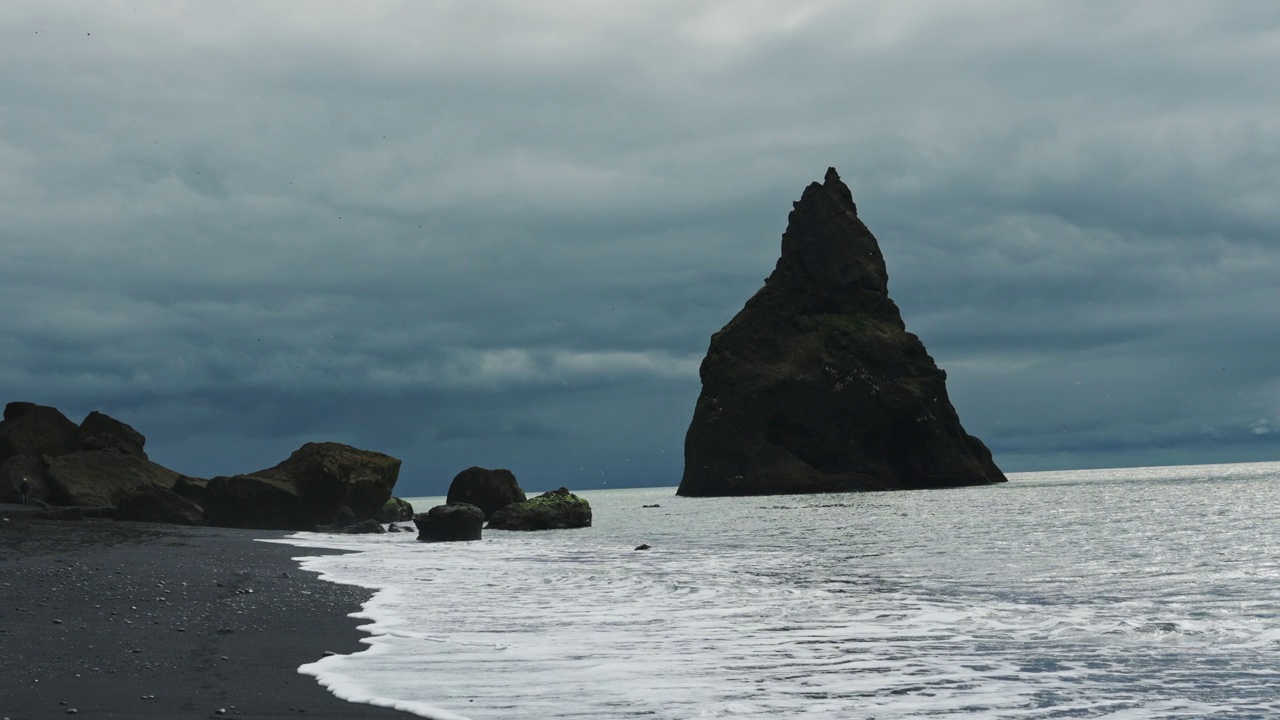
(101, 465)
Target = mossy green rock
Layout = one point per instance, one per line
(816, 385)
(395, 510)
(553, 510)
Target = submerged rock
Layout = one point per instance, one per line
(489, 490)
(364, 527)
(553, 510)
(449, 523)
(307, 490)
(816, 386)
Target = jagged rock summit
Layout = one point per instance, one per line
(816, 386)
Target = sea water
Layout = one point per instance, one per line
(1136, 593)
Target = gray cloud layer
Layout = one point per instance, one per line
(501, 233)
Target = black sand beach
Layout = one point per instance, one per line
(130, 620)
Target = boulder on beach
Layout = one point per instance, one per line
(305, 491)
(105, 433)
(449, 523)
(553, 510)
(160, 506)
(816, 386)
(36, 430)
(489, 490)
(395, 510)
(96, 478)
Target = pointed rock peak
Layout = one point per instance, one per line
(836, 187)
(816, 386)
(828, 255)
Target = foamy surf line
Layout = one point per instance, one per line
(329, 671)
(890, 605)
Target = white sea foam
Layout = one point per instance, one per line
(1147, 593)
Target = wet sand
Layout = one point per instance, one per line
(133, 620)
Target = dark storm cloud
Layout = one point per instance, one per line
(501, 234)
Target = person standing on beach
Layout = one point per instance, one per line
(24, 489)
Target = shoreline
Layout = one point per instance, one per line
(135, 620)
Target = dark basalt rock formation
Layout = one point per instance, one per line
(63, 513)
(449, 523)
(553, 510)
(96, 478)
(103, 432)
(36, 430)
(305, 491)
(160, 506)
(193, 489)
(395, 510)
(369, 526)
(489, 490)
(816, 386)
(100, 466)
(13, 470)
(95, 464)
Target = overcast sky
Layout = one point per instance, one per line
(502, 233)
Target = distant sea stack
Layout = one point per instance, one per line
(816, 385)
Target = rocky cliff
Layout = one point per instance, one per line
(95, 464)
(816, 386)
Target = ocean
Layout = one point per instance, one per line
(1131, 593)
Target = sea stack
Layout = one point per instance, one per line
(816, 385)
